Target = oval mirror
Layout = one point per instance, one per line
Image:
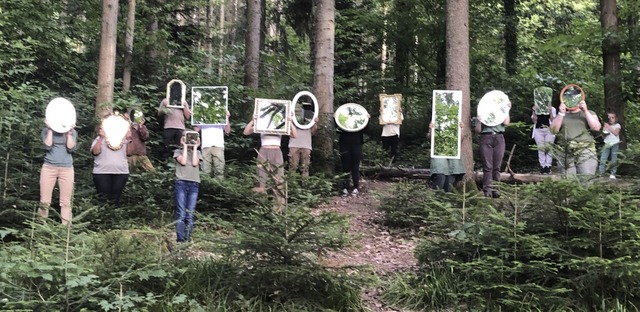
(136, 115)
(115, 128)
(60, 115)
(351, 117)
(493, 108)
(176, 93)
(305, 112)
(571, 95)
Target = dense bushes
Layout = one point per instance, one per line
(552, 246)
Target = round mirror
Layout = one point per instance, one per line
(60, 115)
(305, 112)
(115, 128)
(351, 117)
(493, 108)
(571, 95)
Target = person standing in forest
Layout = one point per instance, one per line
(350, 146)
(138, 159)
(611, 130)
(492, 147)
(57, 168)
(212, 145)
(174, 125)
(572, 128)
(187, 185)
(110, 167)
(543, 136)
(391, 137)
(445, 172)
(300, 147)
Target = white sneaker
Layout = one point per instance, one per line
(355, 192)
(345, 192)
(612, 177)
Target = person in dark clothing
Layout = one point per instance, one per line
(350, 144)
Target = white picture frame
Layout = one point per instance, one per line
(209, 105)
(297, 107)
(271, 116)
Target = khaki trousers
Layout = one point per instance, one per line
(64, 176)
(298, 155)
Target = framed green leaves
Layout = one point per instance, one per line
(209, 105)
(446, 134)
(542, 97)
(271, 116)
(571, 95)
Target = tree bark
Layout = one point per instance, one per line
(252, 45)
(511, 37)
(613, 101)
(107, 64)
(323, 72)
(208, 45)
(128, 43)
(458, 76)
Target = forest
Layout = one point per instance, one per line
(559, 244)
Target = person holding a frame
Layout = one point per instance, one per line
(174, 116)
(187, 183)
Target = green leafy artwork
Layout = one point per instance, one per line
(446, 111)
(209, 105)
(542, 97)
(352, 118)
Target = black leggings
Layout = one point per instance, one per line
(170, 141)
(110, 186)
(351, 155)
(390, 143)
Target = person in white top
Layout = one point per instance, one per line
(212, 143)
(391, 137)
(611, 130)
(300, 148)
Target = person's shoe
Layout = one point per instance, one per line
(345, 192)
(495, 194)
(612, 176)
(355, 192)
(543, 170)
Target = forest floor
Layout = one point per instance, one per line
(374, 247)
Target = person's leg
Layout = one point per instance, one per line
(167, 137)
(448, 183)
(486, 154)
(355, 165)
(48, 177)
(277, 161)
(305, 154)
(614, 158)
(145, 162)
(498, 155)
(394, 147)
(437, 181)
(539, 137)
(604, 157)
(386, 143)
(103, 184)
(65, 183)
(218, 161)
(549, 138)
(294, 158)
(191, 200)
(261, 171)
(587, 162)
(181, 210)
(345, 159)
(207, 160)
(118, 182)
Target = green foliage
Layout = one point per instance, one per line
(534, 249)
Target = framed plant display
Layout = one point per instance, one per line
(390, 109)
(176, 93)
(446, 134)
(271, 116)
(542, 97)
(351, 117)
(209, 105)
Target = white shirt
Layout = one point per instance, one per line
(612, 138)
(212, 135)
(270, 139)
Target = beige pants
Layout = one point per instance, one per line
(213, 158)
(64, 176)
(139, 163)
(298, 155)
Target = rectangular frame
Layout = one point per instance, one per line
(446, 114)
(271, 116)
(209, 105)
(390, 109)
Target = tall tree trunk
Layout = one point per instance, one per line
(511, 37)
(458, 76)
(208, 45)
(152, 64)
(107, 65)
(404, 43)
(221, 32)
(324, 38)
(252, 45)
(128, 43)
(613, 101)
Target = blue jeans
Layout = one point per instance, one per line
(186, 198)
(609, 150)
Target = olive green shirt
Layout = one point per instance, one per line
(575, 127)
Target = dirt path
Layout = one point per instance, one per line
(374, 245)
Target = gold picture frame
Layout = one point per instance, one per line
(390, 109)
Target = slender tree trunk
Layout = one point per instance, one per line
(221, 33)
(458, 76)
(511, 37)
(323, 71)
(208, 47)
(128, 43)
(107, 64)
(611, 59)
(404, 42)
(252, 45)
